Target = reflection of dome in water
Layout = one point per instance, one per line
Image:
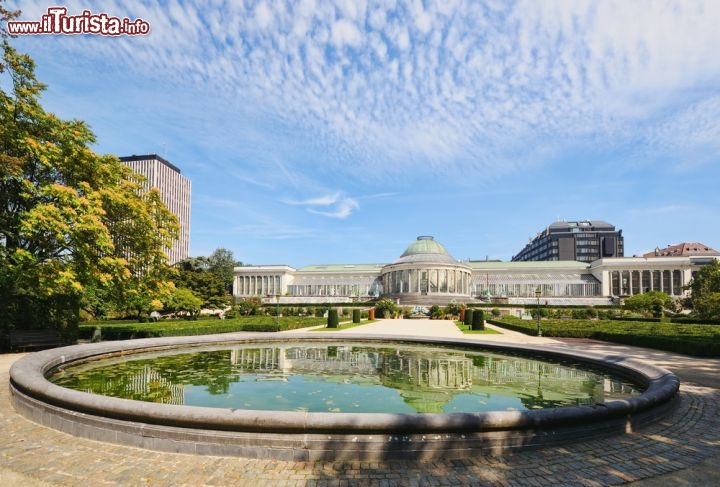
(425, 249)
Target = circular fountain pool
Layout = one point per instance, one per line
(310, 397)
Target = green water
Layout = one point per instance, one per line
(346, 378)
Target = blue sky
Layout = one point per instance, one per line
(336, 132)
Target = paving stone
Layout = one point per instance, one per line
(690, 436)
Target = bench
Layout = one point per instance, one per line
(24, 340)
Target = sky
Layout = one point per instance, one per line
(321, 132)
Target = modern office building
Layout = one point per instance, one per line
(175, 192)
(426, 273)
(584, 241)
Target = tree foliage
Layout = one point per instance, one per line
(650, 303)
(183, 300)
(222, 263)
(6, 15)
(75, 227)
(705, 287)
(385, 308)
(195, 274)
(249, 306)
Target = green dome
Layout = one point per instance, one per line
(425, 245)
(425, 249)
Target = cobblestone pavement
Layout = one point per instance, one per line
(683, 449)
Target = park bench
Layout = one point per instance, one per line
(40, 339)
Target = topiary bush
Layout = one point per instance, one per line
(469, 316)
(332, 319)
(478, 320)
(356, 316)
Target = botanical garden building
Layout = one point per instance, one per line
(426, 273)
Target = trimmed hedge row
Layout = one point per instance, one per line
(686, 321)
(695, 340)
(126, 331)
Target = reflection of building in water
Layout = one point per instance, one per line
(435, 372)
(551, 380)
(332, 360)
(147, 385)
(428, 380)
(255, 358)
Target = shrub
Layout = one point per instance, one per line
(495, 312)
(385, 308)
(356, 316)
(469, 316)
(436, 313)
(248, 306)
(478, 320)
(332, 320)
(454, 309)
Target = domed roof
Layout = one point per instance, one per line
(425, 249)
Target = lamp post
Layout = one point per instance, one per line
(537, 310)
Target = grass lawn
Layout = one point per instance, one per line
(697, 340)
(344, 325)
(467, 329)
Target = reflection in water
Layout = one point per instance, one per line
(347, 378)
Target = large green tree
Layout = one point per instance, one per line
(705, 287)
(194, 274)
(77, 229)
(221, 263)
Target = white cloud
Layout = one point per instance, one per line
(339, 206)
(263, 16)
(342, 210)
(437, 86)
(325, 200)
(344, 33)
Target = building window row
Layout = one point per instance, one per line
(524, 290)
(260, 285)
(427, 281)
(629, 283)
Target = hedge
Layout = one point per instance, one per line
(478, 320)
(468, 316)
(332, 319)
(696, 340)
(126, 330)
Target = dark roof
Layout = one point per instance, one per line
(150, 157)
(584, 224)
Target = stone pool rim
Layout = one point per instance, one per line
(323, 435)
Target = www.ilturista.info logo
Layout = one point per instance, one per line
(57, 21)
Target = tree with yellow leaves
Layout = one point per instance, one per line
(77, 229)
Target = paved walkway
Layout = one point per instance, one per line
(683, 449)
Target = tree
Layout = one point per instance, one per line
(6, 15)
(194, 274)
(222, 263)
(705, 288)
(77, 229)
(249, 306)
(653, 302)
(183, 300)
